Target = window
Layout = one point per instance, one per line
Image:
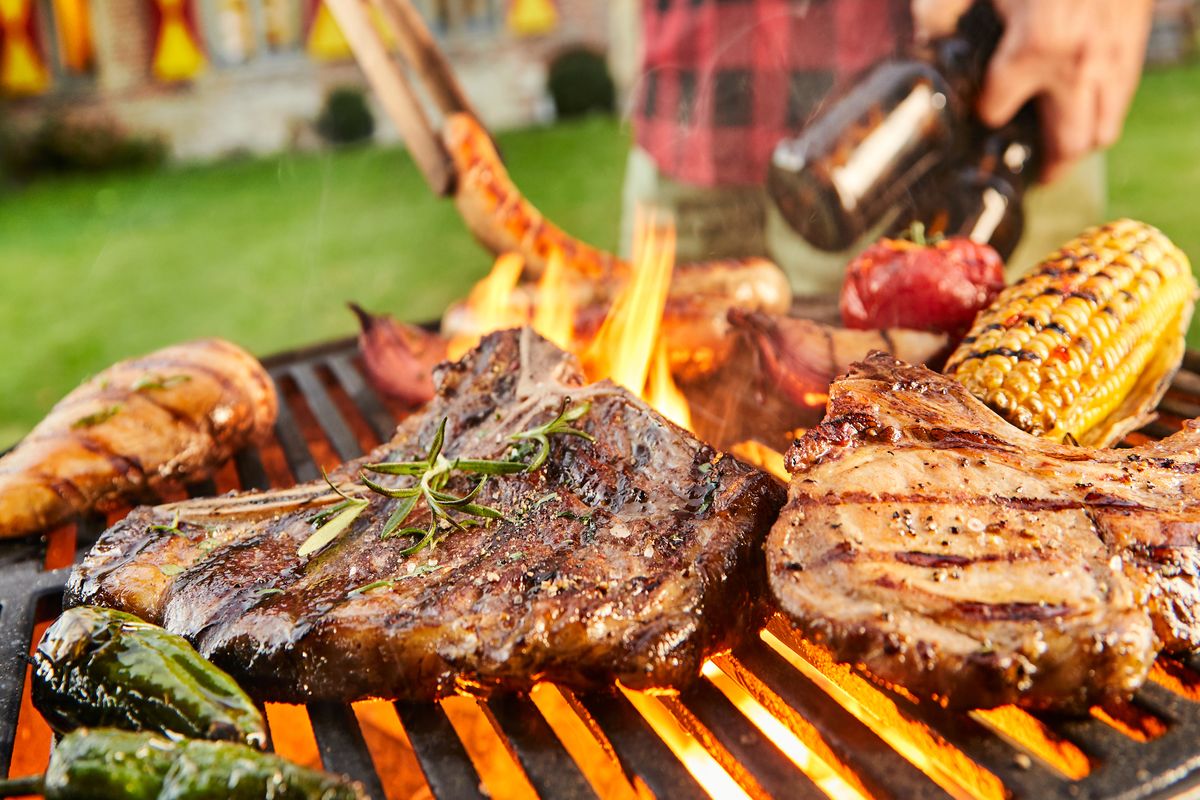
(462, 17)
(239, 31)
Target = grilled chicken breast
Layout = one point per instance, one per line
(173, 414)
(961, 557)
(633, 557)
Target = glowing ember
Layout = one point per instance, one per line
(1030, 734)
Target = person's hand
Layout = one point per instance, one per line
(1081, 59)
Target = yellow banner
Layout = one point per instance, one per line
(21, 69)
(177, 54)
(532, 17)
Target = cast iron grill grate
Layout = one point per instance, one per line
(829, 730)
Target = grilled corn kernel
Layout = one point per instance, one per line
(1061, 349)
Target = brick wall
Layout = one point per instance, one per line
(124, 46)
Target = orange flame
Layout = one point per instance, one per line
(758, 454)
(492, 304)
(554, 313)
(627, 348)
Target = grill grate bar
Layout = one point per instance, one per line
(447, 767)
(250, 470)
(883, 771)
(1026, 778)
(641, 753)
(291, 441)
(16, 616)
(773, 770)
(546, 762)
(378, 418)
(341, 744)
(336, 430)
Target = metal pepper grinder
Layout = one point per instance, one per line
(904, 122)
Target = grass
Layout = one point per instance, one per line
(262, 252)
(265, 252)
(1154, 171)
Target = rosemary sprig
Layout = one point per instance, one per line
(559, 425)
(333, 521)
(433, 473)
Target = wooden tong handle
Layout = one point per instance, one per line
(395, 93)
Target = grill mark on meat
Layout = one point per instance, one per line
(950, 497)
(991, 612)
(979, 611)
(845, 552)
(127, 466)
(918, 559)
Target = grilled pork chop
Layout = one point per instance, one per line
(958, 556)
(633, 557)
(169, 415)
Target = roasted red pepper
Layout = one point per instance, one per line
(923, 285)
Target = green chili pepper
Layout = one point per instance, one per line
(110, 764)
(96, 667)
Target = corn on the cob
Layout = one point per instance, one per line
(1085, 344)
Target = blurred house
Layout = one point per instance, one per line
(221, 76)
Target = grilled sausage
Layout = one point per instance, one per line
(503, 220)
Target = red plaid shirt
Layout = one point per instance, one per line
(724, 80)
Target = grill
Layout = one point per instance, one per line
(775, 718)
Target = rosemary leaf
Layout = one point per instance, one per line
(331, 529)
(439, 440)
(484, 511)
(414, 468)
(268, 590)
(323, 517)
(426, 539)
(402, 512)
(170, 570)
(479, 467)
(386, 492)
(367, 587)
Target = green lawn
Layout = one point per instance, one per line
(265, 252)
(1154, 171)
(262, 252)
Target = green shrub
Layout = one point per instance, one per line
(63, 144)
(345, 117)
(579, 82)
